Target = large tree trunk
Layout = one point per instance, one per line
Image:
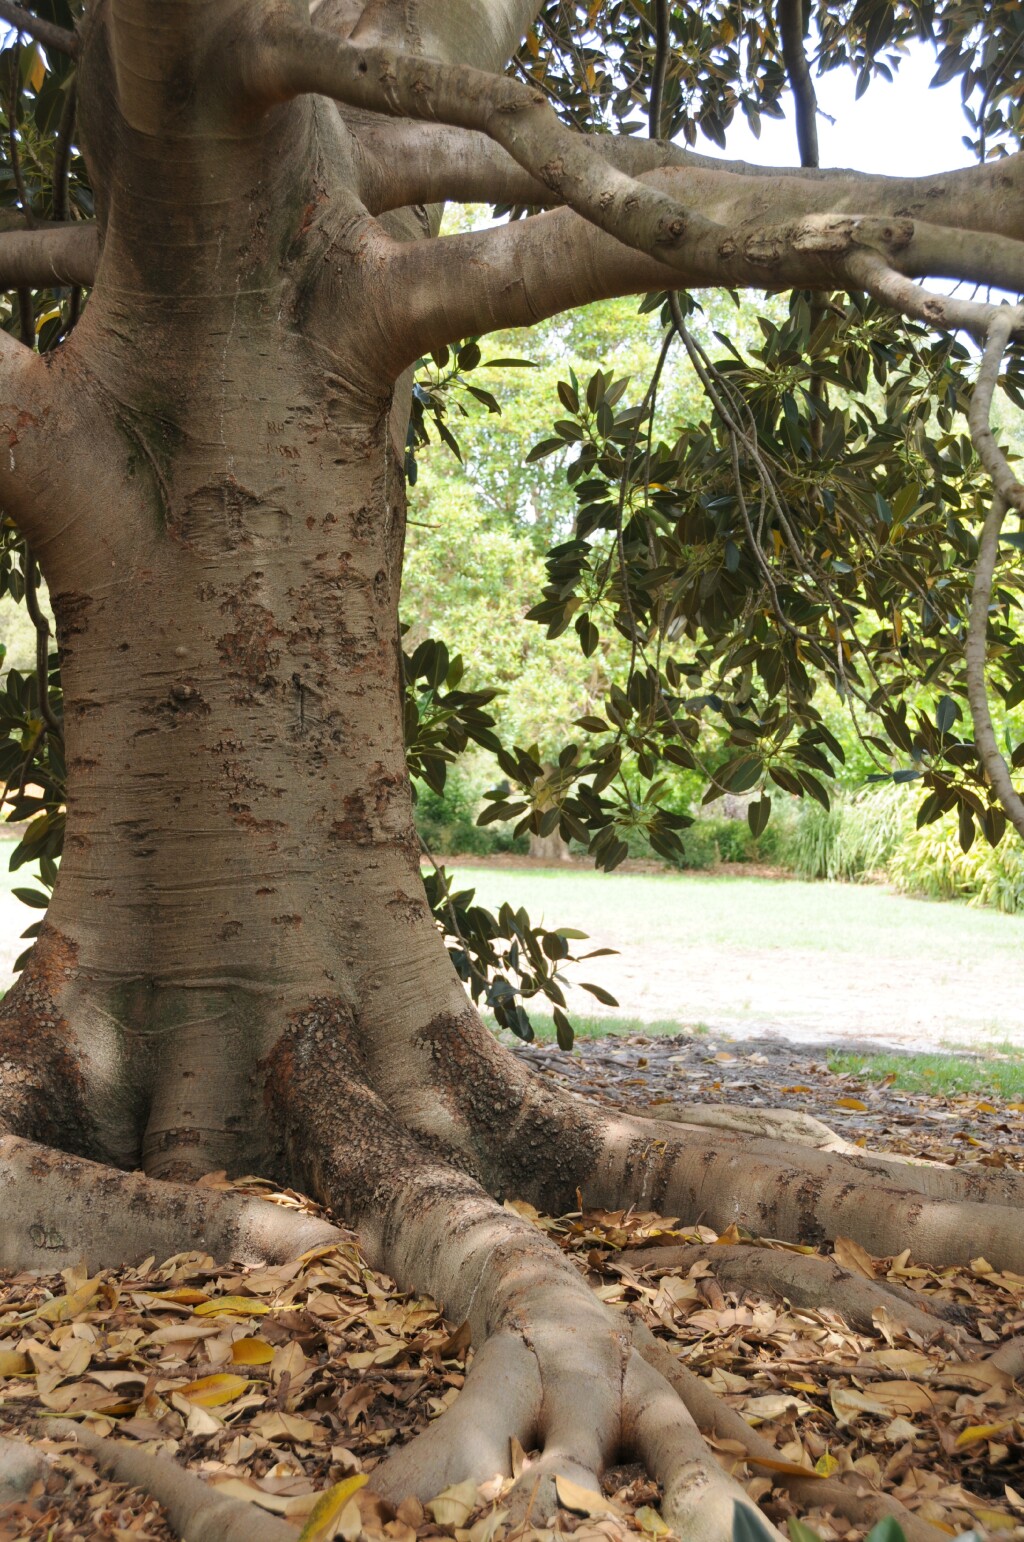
(239, 969)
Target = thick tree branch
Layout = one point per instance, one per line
(410, 162)
(514, 275)
(49, 255)
(791, 31)
(481, 32)
(46, 32)
(287, 59)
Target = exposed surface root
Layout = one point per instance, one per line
(1009, 1358)
(20, 1468)
(805, 1279)
(60, 1209)
(716, 1419)
(784, 1124)
(500, 1402)
(196, 1512)
(944, 1215)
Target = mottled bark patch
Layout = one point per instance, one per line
(528, 1141)
(43, 1094)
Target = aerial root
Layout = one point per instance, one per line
(61, 1209)
(500, 1401)
(194, 1509)
(700, 1497)
(718, 1421)
(804, 1279)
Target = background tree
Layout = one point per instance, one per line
(239, 968)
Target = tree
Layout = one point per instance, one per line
(239, 968)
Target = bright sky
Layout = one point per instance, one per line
(900, 128)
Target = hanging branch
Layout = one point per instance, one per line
(995, 462)
(791, 31)
(42, 627)
(656, 106)
(62, 153)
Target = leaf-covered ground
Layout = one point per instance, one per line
(285, 1383)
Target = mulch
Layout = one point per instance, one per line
(281, 1384)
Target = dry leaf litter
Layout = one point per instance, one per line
(285, 1386)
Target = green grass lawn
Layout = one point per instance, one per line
(991, 1074)
(755, 913)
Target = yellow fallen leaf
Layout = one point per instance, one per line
(794, 1469)
(63, 1308)
(238, 1488)
(848, 1404)
(994, 1520)
(231, 1306)
(14, 1363)
(975, 1433)
(276, 1426)
(854, 1103)
(329, 1506)
(651, 1522)
(581, 1501)
(904, 1396)
(453, 1506)
(797, 1089)
(210, 1391)
(772, 1405)
(185, 1295)
(251, 1352)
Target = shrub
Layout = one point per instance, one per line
(853, 840)
(931, 863)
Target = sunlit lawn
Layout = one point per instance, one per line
(731, 912)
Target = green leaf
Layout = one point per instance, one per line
(758, 814)
(946, 714)
(799, 1531)
(886, 1530)
(747, 1526)
(563, 1028)
(600, 993)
